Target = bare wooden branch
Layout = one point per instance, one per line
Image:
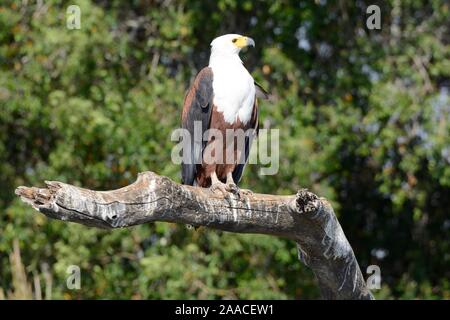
(304, 218)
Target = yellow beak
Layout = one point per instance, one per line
(242, 42)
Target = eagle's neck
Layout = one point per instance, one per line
(220, 57)
(233, 86)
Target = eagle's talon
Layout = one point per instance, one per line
(219, 186)
(234, 189)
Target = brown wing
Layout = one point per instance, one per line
(253, 124)
(196, 109)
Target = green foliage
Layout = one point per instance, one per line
(364, 119)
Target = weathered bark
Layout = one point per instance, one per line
(304, 218)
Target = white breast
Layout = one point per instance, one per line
(234, 89)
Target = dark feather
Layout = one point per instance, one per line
(261, 92)
(197, 107)
(239, 170)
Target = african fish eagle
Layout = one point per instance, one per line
(222, 97)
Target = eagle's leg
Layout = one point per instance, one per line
(216, 184)
(231, 186)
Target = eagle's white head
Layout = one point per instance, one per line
(230, 44)
(233, 86)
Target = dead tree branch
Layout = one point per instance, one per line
(304, 218)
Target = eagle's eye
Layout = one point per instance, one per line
(234, 40)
